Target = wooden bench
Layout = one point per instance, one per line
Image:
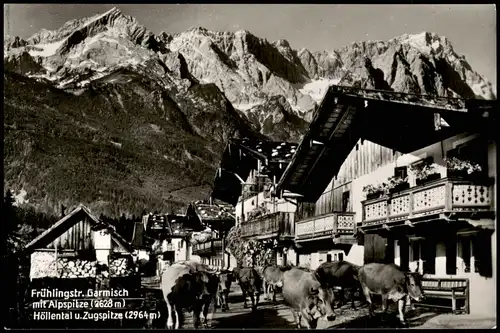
(446, 288)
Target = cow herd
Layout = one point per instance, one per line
(310, 294)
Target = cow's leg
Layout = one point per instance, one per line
(366, 291)
(353, 299)
(245, 305)
(177, 318)
(297, 317)
(265, 287)
(384, 303)
(401, 309)
(170, 323)
(309, 320)
(206, 307)
(197, 308)
(313, 323)
(252, 299)
(226, 300)
(274, 293)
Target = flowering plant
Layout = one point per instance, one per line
(200, 237)
(462, 165)
(395, 181)
(375, 189)
(422, 171)
(258, 211)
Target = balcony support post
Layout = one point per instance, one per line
(447, 196)
(335, 224)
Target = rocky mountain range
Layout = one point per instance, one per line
(104, 112)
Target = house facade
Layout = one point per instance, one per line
(418, 175)
(165, 238)
(75, 246)
(210, 245)
(247, 175)
(79, 252)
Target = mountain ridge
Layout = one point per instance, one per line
(177, 99)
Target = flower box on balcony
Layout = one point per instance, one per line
(374, 195)
(429, 178)
(465, 175)
(400, 187)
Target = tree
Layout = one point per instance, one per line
(250, 253)
(9, 217)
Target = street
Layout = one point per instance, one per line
(278, 315)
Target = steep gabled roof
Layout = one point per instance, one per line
(216, 215)
(241, 156)
(403, 122)
(70, 220)
(138, 235)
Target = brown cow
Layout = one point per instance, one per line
(191, 286)
(305, 296)
(391, 283)
(250, 283)
(341, 275)
(272, 277)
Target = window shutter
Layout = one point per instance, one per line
(429, 256)
(404, 254)
(451, 256)
(482, 254)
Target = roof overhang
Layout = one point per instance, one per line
(69, 221)
(402, 122)
(241, 157)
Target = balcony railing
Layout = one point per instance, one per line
(441, 196)
(335, 224)
(209, 247)
(279, 224)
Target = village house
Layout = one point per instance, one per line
(419, 175)
(80, 251)
(75, 245)
(210, 245)
(246, 177)
(164, 238)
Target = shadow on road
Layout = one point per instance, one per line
(414, 318)
(261, 318)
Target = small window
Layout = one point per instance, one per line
(401, 172)
(341, 256)
(328, 257)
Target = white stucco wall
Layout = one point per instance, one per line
(257, 200)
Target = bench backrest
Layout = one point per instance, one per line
(445, 283)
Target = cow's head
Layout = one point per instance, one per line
(319, 303)
(207, 283)
(414, 286)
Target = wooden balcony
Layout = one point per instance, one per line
(158, 225)
(443, 198)
(279, 224)
(339, 226)
(208, 248)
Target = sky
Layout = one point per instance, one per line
(470, 28)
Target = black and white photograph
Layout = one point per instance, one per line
(249, 166)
